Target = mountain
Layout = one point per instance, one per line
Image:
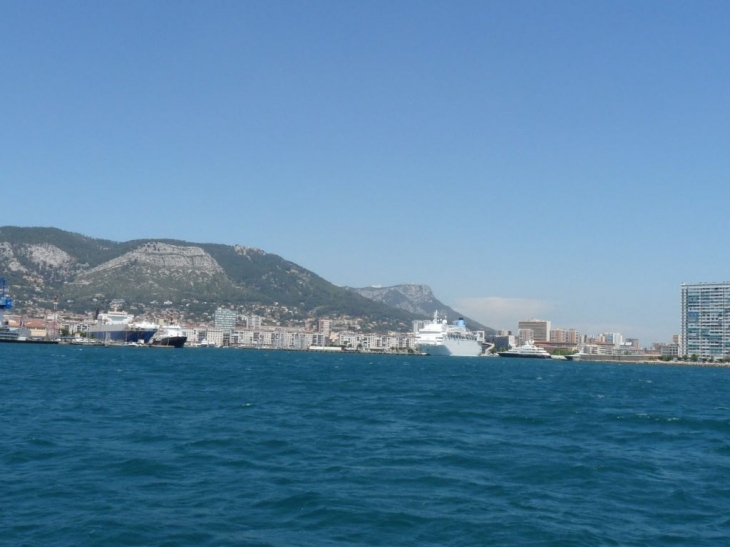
(84, 273)
(416, 299)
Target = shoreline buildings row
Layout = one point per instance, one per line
(231, 329)
(704, 331)
(542, 334)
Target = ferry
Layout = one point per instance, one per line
(119, 326)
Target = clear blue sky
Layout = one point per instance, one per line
(565, 160)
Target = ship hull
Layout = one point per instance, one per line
(462, 348)
(524, 355)
(123, 336)
(171, 341)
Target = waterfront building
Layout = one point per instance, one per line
(705, 320)
(525, 335)
(324, 326)
(214, 336)
(252, 321)
(615, 338)
(504, 342)
(669, 350)
(193, 334)
(602, 348)
(539, 327)
(224, 319)
(243, 338)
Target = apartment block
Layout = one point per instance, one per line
(705, 320)
(225, 319)
(324, 326)
(539, 327)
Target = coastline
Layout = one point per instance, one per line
(320, 349)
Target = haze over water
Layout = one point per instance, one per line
(194, 447)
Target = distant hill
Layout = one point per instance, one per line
(418, 300)
(86, 273)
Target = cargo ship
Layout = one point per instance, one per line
(117, 326)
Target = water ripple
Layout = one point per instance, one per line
(207, 448)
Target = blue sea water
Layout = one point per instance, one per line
(216, 447)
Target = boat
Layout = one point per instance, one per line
(170, 336)
(528, 350)
(9, 335)
(14, 335)
(438, 337)
(117, 326)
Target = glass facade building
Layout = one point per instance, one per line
(225, 319)
(705, 330)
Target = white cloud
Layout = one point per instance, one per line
(503, 313)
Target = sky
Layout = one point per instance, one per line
(565, 160)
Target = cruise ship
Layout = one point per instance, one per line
(526, 351)
(438, 337)
(119, 326)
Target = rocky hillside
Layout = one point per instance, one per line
(84, 273)
(415, 299)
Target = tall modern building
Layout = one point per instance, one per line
(539, 327)
(705, 329)
(225, 319)
(324, 326)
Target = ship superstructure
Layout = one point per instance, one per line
(526, 351)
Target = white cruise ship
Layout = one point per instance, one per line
(437, 337)
(526, 351)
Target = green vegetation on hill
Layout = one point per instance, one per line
(86, 273)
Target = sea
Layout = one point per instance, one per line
(216, 447)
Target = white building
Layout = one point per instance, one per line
(252, 321)
(324, 326)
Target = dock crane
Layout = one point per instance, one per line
(6, 303)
